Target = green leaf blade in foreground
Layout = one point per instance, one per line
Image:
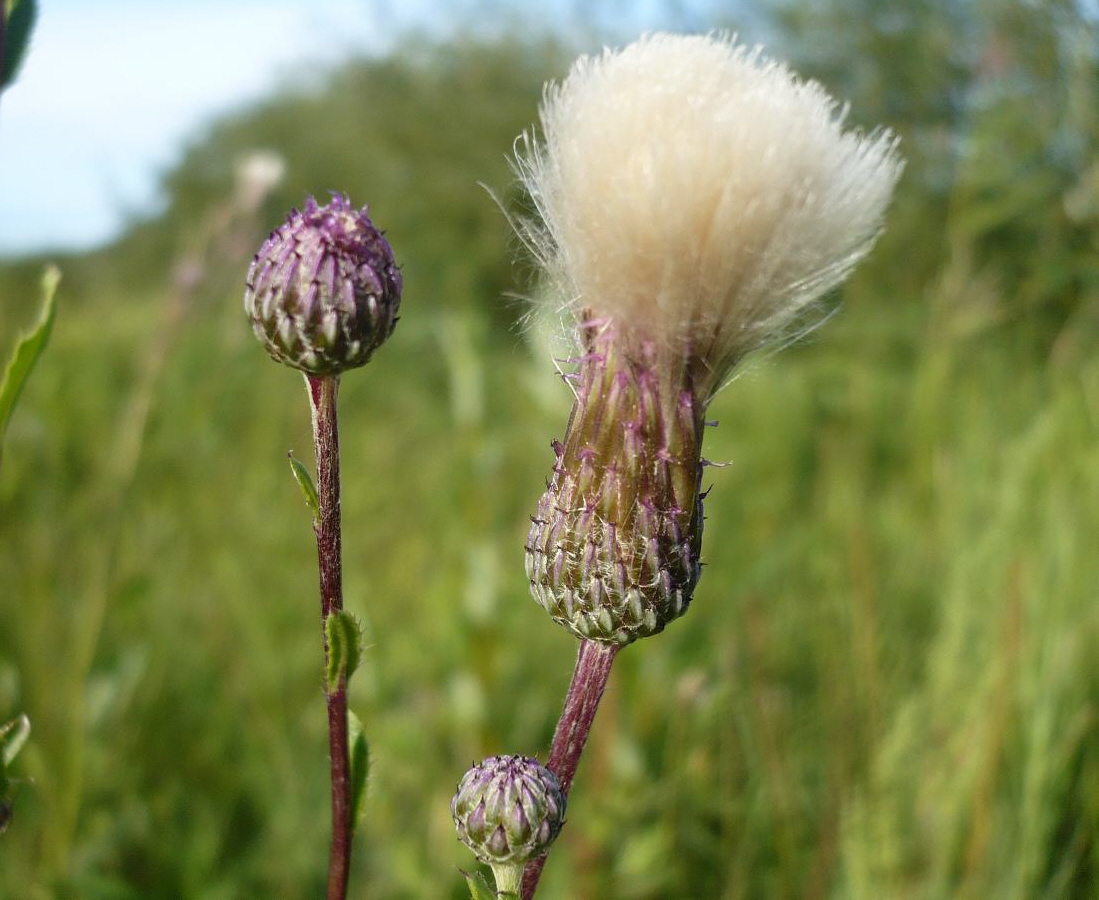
(27, 350)
(18, 25)
(360, 767)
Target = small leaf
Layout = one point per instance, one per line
(27, 350)
(345, 643)
(13, 735)
(360, 768)
(478, 888)
(17, 32)
(305, 482)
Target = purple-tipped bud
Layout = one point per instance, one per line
(613, 550)
(324, 289)
(508, 810)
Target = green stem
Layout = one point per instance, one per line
(326, 442)
(508, 879)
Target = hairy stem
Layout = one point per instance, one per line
(589, 679)
(507, 880)
(326, 442)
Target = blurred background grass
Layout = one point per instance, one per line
(888, 684)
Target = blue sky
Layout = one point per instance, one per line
(113, 88)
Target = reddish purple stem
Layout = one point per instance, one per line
(326, 443)
(589, 679)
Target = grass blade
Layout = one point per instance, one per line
(27, 350)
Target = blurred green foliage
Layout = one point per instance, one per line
(888, 685)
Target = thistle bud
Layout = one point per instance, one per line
(613, 550)
(508, 810)
(324, 289)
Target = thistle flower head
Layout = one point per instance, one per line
(508, 810)
(699, 197)
(324, 289)
(693, 200)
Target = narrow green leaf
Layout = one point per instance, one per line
(305, 482)
(478, 887)
(27, 350)
(18, 26)
(345, 642)
(13, 735)
(360, 767)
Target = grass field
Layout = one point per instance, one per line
(888, 685)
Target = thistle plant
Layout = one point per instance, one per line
(322, 295)
(693, 202)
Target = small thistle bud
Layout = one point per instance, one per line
(508, 810)
(324, 289)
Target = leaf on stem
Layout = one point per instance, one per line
(479, 888)
(345, 647)
(13, 735)
(306, 483)
(27, 349)
(360, 767)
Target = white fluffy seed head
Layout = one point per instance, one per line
(698, 196)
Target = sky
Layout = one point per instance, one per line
(112, 89)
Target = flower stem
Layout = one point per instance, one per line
(326, 443)
(507, 879)
(589, 679)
